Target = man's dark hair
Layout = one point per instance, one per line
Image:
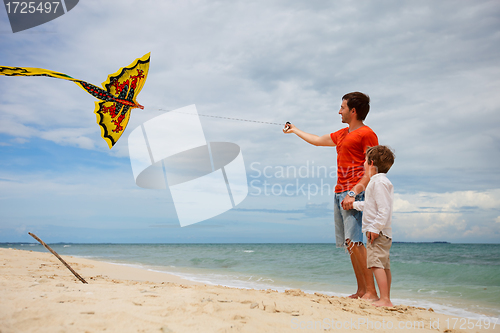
(381, 156)
(360, 102)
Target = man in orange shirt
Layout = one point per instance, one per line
(351, 143)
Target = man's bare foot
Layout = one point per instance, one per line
(370, 297)
(382, 302)
(356, 295)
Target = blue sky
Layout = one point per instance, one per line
(430, 68)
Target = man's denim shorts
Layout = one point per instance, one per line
(347, 222)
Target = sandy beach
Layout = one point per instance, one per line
(39, 294)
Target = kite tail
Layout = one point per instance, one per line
(29, 71)
(95, 91)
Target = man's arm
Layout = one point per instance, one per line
(358, 188)
(369, 140)
(313, 139)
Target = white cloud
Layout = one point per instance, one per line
(461, 215)
(447, 202)
(402, 205)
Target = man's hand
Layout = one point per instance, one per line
(371, 236)
(288, 128)
(347, 202)
(313, 139)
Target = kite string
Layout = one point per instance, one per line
(227, 118)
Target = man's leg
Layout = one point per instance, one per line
(364, 276)
(358, 272)
(342, 241)
(357, 251)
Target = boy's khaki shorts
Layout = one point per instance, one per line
(377, 254)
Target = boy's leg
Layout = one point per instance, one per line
(379, 262)
(389, 280)
(383, 277)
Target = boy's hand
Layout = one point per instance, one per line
(371, 236)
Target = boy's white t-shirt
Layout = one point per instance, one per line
(377, 207)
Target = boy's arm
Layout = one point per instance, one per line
(313, 139)
(371, 236)
(358, 205)
(383, 199)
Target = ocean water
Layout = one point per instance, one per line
(456, 279)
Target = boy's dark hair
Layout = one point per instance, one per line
(359, 101)
(381, 156)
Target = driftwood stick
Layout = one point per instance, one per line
(58, 257)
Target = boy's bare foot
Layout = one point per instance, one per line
(382, 302)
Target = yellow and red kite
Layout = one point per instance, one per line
(116, 99)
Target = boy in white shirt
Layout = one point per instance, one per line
(377, 215)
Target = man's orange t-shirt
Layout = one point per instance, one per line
(351, 150)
